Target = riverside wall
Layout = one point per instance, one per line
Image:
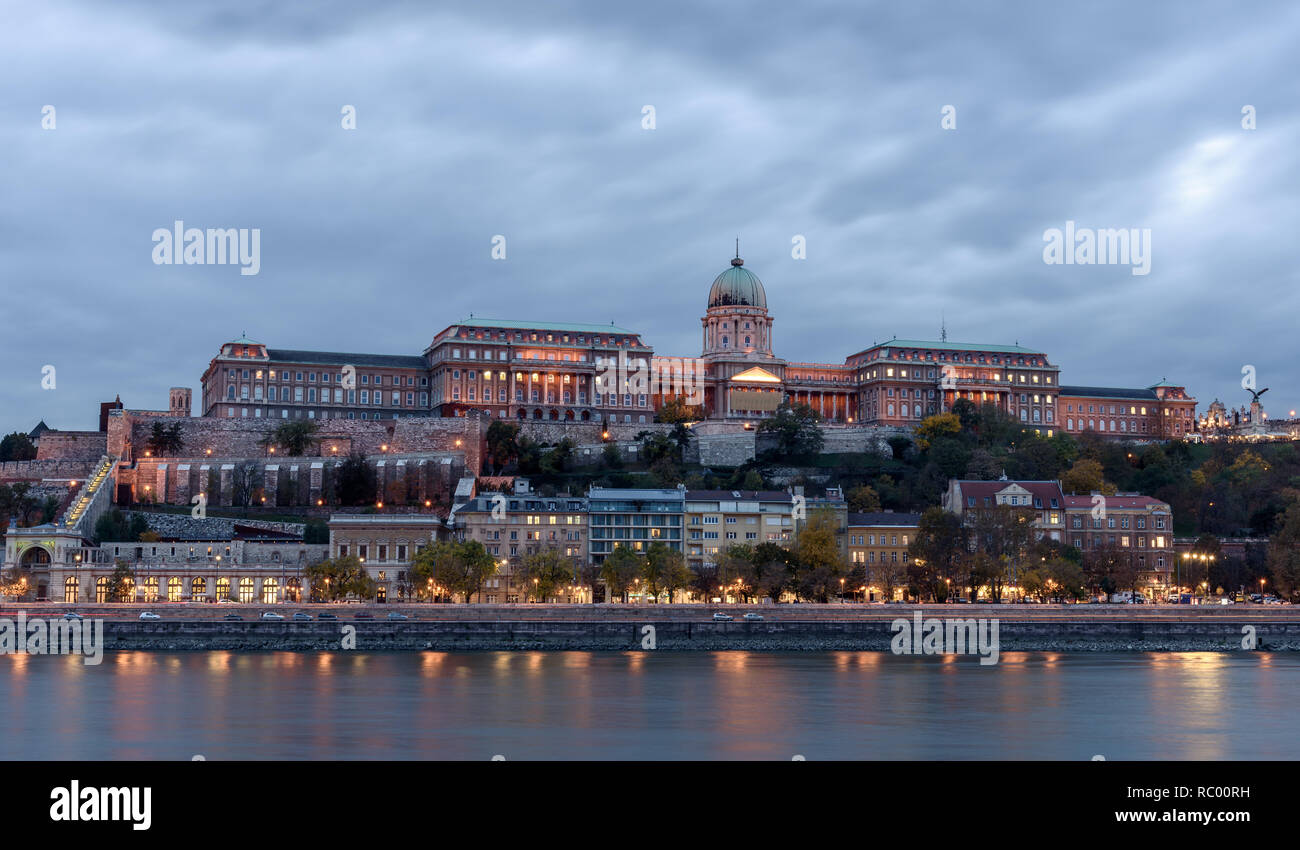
(678, 627)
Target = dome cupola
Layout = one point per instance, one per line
(737, 287)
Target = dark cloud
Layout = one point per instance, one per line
(524, 119)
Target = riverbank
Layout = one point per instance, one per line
(786, 635)
(795, 628)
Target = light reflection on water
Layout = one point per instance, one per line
(650, 705)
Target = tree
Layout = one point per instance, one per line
(666, 472)
(14, 583)
(113, 527)
(121, 584)
(937, 551)
(816, 554)
(619, 569)
(356, 481)
(1284, 554)
(295, 436)
(459, 566)
(940, 425)
(664, 570)
(316, 530)
(543, 573)
(334, 579)
(502, 445)
(165, 441)
(797, 429)
(655, 446)
(17, 501)
(17, 446)
(863, 499)
(1002, 534)
(983, 466)
(1086, 476)
(674, 410)
(246, 484)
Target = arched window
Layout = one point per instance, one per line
(246, 590)
(198, 587)
(71, 586)
(223, 588)
(151, 589)
(270, 591)
(174, 589)
(101, 589)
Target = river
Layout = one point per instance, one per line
(650, 705)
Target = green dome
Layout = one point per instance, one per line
(737, 286)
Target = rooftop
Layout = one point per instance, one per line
(1109, 392)
(943, 345)
(339, 358)
(884, 518)
(529, 324)
(1119, 500)
(738, 495)
(613, 494)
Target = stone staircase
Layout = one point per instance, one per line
(95, 495)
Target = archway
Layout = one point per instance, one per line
(35, 556)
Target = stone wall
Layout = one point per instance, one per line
(72, 445)
(866, 438)
(724, 449)
(41, 469)
(206, 437)
(289, 482)
(583, 433)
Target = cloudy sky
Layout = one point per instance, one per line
(525, 119)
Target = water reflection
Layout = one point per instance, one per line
(652, 705)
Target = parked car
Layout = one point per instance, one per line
(300, 615)
(753, 615)
(149, 615)
(326, 615)
(721, 617)
(363, 615)
(271, 615)
(1223, 600)
(394, 615)
(232, 617)
(73, 615)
